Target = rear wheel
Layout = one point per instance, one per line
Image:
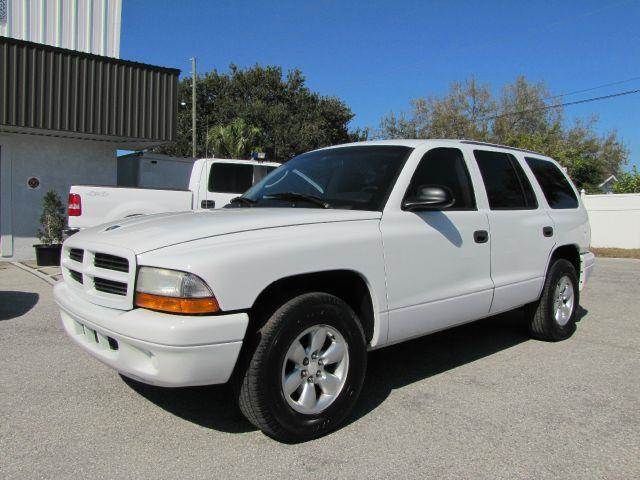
(553, 317)
(307, 370)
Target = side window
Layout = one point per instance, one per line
(445, 167)
(554, 184)
(261, 171)
(529, 194)
(230, 178)
(506, 183)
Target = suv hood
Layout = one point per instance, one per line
(150, 232)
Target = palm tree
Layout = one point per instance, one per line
(235, 140)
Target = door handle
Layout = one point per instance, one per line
(208, 204)
(481, 236)
(547, 231)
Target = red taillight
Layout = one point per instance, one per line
(75, 205)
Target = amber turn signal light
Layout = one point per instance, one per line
(177, 304)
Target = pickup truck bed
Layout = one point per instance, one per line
(113, 203)
(212, 184)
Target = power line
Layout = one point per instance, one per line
(565, 104)
(597, 87)
(589, 13)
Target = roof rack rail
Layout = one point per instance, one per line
(487, 144)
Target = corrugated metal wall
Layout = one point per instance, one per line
(91, 26)
(54, 89)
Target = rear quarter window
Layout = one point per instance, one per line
(555, 186)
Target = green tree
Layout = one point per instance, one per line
(235, 140)
(291, 118)
(519, 116)
(459, 114)
(628, 182)
(51, 220)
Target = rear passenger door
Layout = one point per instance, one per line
(521, 231)
(569, 216)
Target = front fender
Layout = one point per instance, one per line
(239, 266)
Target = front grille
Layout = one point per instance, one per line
(77, 276)
(76, 254)
(110, 286)
(111, 262)
(103, 277)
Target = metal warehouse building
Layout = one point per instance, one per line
(63, 116)
(90, 26)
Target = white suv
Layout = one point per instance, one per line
(339, 251)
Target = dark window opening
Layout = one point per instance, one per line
(445, 167)
(555, 186)
(507, 186)
(529, 194)
(230, 178)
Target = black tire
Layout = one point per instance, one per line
(261, 398)
(543, 324)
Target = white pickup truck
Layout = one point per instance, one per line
(212, 184)
(337, 252)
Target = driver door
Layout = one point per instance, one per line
(437, 262)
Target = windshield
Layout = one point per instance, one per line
(357, 178)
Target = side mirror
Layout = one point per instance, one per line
(429, 197)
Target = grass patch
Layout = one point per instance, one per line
(616, 252)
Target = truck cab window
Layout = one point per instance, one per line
(230, 178)
(261, 171)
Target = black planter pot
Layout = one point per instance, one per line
(48, 255)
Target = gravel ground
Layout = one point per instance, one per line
(478, 401)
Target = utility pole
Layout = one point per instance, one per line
(193, 105)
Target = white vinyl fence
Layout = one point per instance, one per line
(615, 219)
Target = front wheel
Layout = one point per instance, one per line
(307, 370)
(553, 317)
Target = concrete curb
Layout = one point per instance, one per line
(43, 276)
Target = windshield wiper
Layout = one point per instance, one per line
(241, 199)
(299, 196)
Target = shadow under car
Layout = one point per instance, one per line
(388, 368)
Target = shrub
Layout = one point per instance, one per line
(52, 219)
(628, 182)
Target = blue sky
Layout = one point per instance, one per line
(377, 54)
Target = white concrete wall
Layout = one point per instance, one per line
(614, 219)
(57, 163)
(91, 26)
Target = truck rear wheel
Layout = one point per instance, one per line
(553, 317)
(307, 370)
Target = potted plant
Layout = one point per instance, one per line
(50, 235)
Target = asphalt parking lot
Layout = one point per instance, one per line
(479, 401)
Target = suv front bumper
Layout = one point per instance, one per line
(154, 347)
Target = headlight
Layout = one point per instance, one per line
(173, 291)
